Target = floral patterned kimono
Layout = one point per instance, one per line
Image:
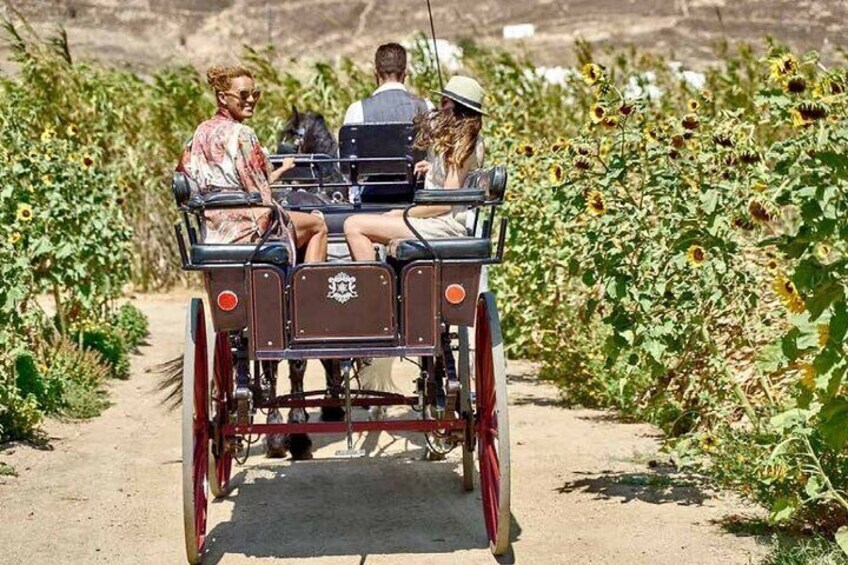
(225, 155)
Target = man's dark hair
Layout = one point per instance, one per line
(390, 60)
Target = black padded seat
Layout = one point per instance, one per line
(222, 253)
(448, 248)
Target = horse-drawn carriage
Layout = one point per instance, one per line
(418, 301)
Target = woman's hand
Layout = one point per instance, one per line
(422, 168)
(286, 165)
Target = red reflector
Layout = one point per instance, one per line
(227, 301)
(455, 293)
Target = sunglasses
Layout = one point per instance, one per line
(246, 95)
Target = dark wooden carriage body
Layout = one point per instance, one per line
(419, 302)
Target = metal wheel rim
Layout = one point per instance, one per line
(492, 424)
(221, 466)
(195, 444)
(464, 373)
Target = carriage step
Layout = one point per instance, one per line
(350, 453)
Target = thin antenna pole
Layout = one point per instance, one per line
(435, 48)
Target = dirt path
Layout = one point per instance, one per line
(109, 491)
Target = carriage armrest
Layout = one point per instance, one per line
(461, 196)
(219, 200)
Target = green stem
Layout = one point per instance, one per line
(60, 311)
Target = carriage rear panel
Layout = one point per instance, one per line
(222, 281)
(353, 302)
(267, 321)
(419, 304)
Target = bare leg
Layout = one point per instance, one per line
(310, 231)
(361, 231)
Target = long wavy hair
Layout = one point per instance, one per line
(450, 133)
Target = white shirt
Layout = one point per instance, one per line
(355, 115)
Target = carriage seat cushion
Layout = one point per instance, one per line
(447, 248)
(274, 253)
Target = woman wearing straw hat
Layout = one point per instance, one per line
(451, 136)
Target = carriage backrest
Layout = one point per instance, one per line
(387, 141)
(311, 171)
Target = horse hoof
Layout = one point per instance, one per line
(300, 446)
(332, 414)
(275, 446)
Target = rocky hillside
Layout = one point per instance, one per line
(144, 33)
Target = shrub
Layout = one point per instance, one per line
(132, 324)
(30, 381)
(110, 344)
(19, 415)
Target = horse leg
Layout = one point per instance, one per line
(333, 374)
(300, 445)
(275, 444)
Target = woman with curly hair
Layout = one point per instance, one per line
(451, 136)
(225, 155)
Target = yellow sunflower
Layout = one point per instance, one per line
(47, 134)
(693, 105)
(14, 237)
(582, 163)
(71, 130)
(824, 334)
(787, 292)
(691, 122)
(595, 203)
(651, 133)
(696, 255)
(24, 213)
(709, 442)
(759, 212)
(772, 266)
(598, 113)
(626, 108)
(559, 145)
(811, 111)
(783, 66)
(822, 251)
(556, 173)
(610, 122)
(798, 120)
(592, 73)
(525, 150)
(796, 84)
(831, 84)
(87, 162)
(808, 376)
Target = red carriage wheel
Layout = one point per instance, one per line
(492, 423)
(195, 432)
(221, 461)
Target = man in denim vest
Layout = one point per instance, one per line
(391, 102)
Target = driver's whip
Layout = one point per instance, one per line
(435, 47)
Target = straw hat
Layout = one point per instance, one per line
(465, 91)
